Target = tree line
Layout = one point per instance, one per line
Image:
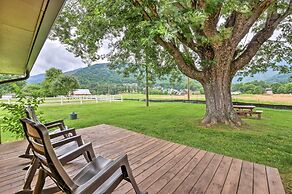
(55, 83)
(259, 87)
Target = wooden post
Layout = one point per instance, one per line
(189, 89)
(147, 86)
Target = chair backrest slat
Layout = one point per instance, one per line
(38, 137)
(30, 113)
(32, 132)
(39, 148)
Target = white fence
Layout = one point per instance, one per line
(62, 100)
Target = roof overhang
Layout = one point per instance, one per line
(24, 27)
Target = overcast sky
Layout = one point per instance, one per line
(54, 54)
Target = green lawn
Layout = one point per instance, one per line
(267, 141)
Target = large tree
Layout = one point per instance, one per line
(50, 76)
(207, 40)
(64, 85)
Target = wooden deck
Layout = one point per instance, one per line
(159, 166)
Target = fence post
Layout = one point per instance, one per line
(121, 98)
(61, 100)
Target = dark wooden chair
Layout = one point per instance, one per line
(101, 175)
(60, 130)
(67, 148)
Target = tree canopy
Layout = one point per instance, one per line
(63, 85)
(200, 26)
(207, 40)
(56, 83)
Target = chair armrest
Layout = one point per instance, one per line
(64, 132)
(59, 125)
(54, 122)
(76, 138)
(103, 175)
(81, 150)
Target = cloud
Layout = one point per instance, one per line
(54, 54)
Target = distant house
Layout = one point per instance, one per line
(236, 93)
(8, 96)
(269, 91)
(81, 92)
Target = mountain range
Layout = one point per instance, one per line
(100, 73)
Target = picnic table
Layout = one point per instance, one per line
(245, 110)
(248, 108)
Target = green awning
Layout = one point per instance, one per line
(24, 27)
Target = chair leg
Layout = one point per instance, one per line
(26, 153)
(27, 150)
(30, 173)
(89, 155)
(126, 170)
(40, 182)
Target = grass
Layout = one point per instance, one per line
(267, 141)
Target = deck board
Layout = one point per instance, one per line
(246, 178)
(217, 183)
(232, 179)
(159, 166)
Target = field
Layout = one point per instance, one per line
(267, 141)
(277, 99)
(285, 99)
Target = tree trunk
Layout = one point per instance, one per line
(219, 107)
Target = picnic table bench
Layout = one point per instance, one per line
(245, 110)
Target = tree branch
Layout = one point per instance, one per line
(179, 5)
(145, 14)
(272, 21)
(188, 43)
(243, 23)
(190, 71)
(210, 24)
(198, 4)
(230, 21)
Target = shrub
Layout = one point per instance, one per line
(281, 89)
(258, 90)
(16, 111)
(156, 92)
(289, 88)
